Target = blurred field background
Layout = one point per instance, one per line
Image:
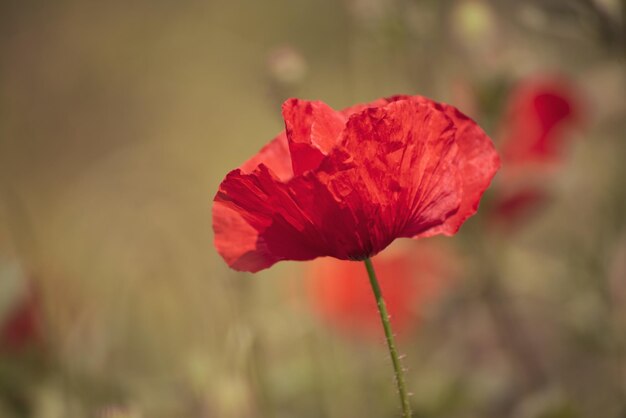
(118, 120)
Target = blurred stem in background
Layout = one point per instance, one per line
(513, 335)
(255, 351)
(393, 351)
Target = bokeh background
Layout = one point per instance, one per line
(119, 119)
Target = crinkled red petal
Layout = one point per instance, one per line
(275, 156)
(477, 160)
(477, 163)
(313, 129)
(406, 180)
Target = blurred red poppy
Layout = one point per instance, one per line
(536, 121)
(21, 327)
(518, 205)
(347, 183)
(536, 125)
(411, 277)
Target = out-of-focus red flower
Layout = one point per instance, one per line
(347, 183)
(411, 277)
(518, 205)
(536, 121)
(21, 327)
(534, 130)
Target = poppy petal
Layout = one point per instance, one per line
(257, 222)
(406, 153)
(274, 156)
(313, 129)
(477, 162)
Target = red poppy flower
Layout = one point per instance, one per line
(538, 114)
(534, 131)
(411, 278)
(347, 183)
(518, 205)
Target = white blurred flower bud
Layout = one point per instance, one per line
(286, 65)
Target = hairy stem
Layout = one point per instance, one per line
(393, 351)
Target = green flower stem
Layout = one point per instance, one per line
(393, 351)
